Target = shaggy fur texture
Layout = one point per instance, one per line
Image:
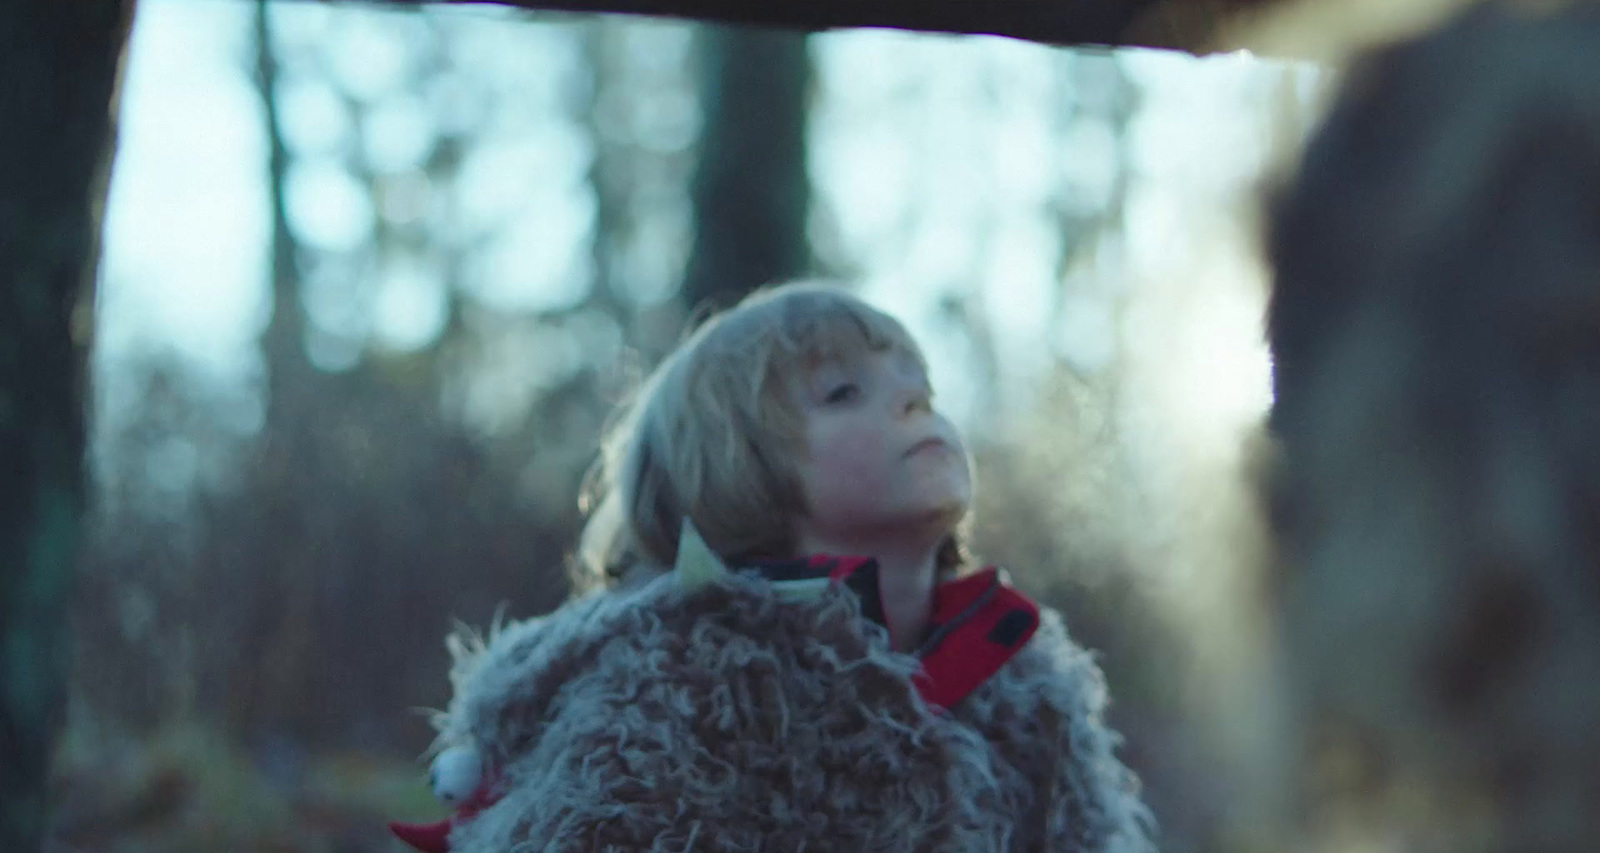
(726, 720)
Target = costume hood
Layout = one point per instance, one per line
(729, 714)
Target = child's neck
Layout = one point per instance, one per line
(907, 574)
(907, 589)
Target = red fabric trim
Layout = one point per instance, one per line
(435, 837)
(983, 619)
(427, 837)
(843, 567)
(983, 640)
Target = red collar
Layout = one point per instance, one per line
(977, 623)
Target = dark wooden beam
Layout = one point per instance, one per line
(1189, 25)
(1054, 21)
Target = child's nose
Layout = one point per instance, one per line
(916, 398)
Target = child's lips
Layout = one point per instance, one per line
(927, 444)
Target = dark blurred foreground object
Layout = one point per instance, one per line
(1436, 331)
(57, 72)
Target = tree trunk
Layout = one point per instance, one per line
(751, 190)
(58, 72)
(283, 342)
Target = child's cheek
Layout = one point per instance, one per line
(859, 458)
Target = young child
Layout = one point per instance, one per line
(790, 651)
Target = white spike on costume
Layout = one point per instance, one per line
(697, 564)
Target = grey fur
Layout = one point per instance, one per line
(726, 720)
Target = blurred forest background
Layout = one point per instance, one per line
(374, 277)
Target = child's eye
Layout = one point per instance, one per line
(843, 393)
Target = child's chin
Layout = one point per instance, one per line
(949, 497)
(941, 518)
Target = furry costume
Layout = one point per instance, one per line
(727, 718)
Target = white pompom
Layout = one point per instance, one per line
(456, 774)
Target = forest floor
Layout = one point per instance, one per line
(187, 789)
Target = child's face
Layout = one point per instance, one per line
(881, 463)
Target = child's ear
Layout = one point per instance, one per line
(697, 565)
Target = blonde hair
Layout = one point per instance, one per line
(713, 435)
